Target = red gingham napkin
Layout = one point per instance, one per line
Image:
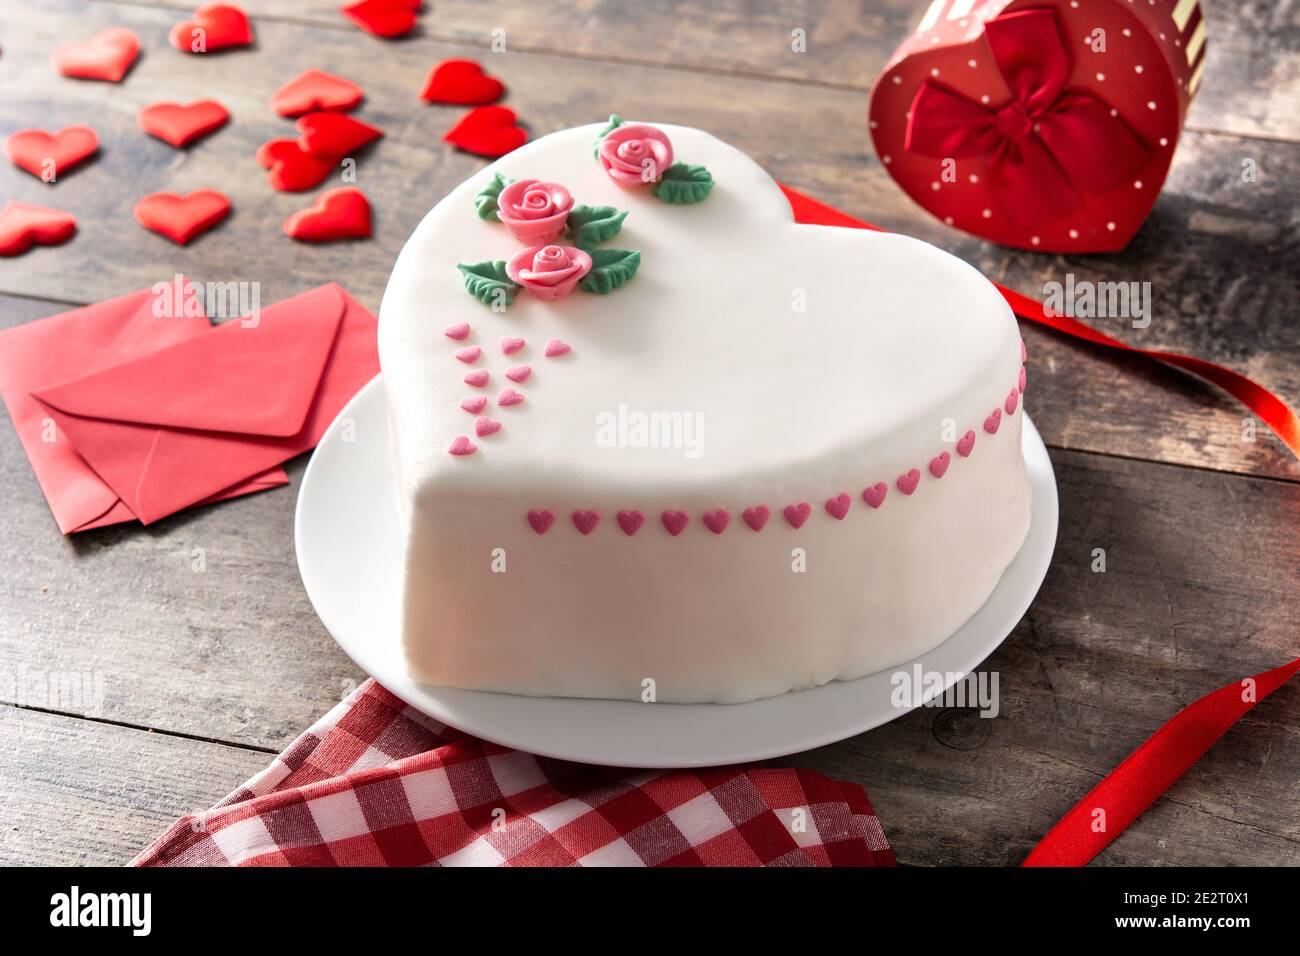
(376, 783)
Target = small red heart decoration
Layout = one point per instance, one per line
(182, 125)
(316, 90)
(383, 18)
(462, 82)
(337, 214)
(32, 149)
(333, 134)
(214, 27)
(292, 170)
(107, 55)
(488, 131)
(181, 218)
(23, 225)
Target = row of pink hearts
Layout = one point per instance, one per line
(675, 522)
(479, 378)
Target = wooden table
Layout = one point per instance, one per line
(207, 673)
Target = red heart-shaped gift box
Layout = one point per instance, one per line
(1043, 125)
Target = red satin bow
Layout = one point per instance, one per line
(1045, 148)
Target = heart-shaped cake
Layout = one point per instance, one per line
(729, 455)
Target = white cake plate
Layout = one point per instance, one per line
(349, 552)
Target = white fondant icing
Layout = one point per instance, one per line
(800, 361)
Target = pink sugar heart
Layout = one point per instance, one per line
(675, 521)
(717, 521)
(965, 444)
(907, 483)
(1012, 399)
(457, 331)
(508, 396)
(838, 506)
(630, 521)
(586, 521)
(797, 514)
(993, 421)
(1024, 352)
(756, 517)
(556, 347)
(484, 426)
(1024, 377)
(939, 464)
(875, 495)
(478, 378)
(509, 345)
(474, 404)
(541, 519)
(518, 373)
(469, 354)
(460, 445)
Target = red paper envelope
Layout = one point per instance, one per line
(40, 353)
(172, 428)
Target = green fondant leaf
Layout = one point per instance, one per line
(610, 268)
(488, 282)
(615, 121)
(486, 199)
(592, 225)
(682, 183)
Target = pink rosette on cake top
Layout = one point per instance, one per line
(548, 272)
(534, 211)
(635, 154)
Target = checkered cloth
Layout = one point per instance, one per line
(375, 783)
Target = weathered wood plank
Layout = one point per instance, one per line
(82, 793)
(1208, 231)
(1251, 87)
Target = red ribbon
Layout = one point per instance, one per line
(1270, 409)
(1047, 147)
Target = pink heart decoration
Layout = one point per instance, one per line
(541, 519)
(939, 464)
(469, 354)
(586, 521)
(993, 421)
(484, 426)
(797, 514)
(508, 396)
(907, 483)
(965, 444)
(875, 495)
(1024, 377)
(460, 445)
(675, 521)
(556, 347)
(509, 346)
(474, 404)
(838, 506)
(1012, 399)
(717, 521)
(478, 378)
(630, 522)
(756, 517)
(458, 331)
(518, 373)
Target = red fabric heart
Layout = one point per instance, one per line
(383, 18)
(30, 149)
(337, 214)
(181, 218)
(23, 225)
(214, 27)
(182, 125)
(488, 131)
(316, 90)
(107, 55)
(462, 82)
(292, 170)
(333, 134)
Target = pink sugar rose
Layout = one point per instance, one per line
(548, 272)
(635, 154)
(534, 211)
